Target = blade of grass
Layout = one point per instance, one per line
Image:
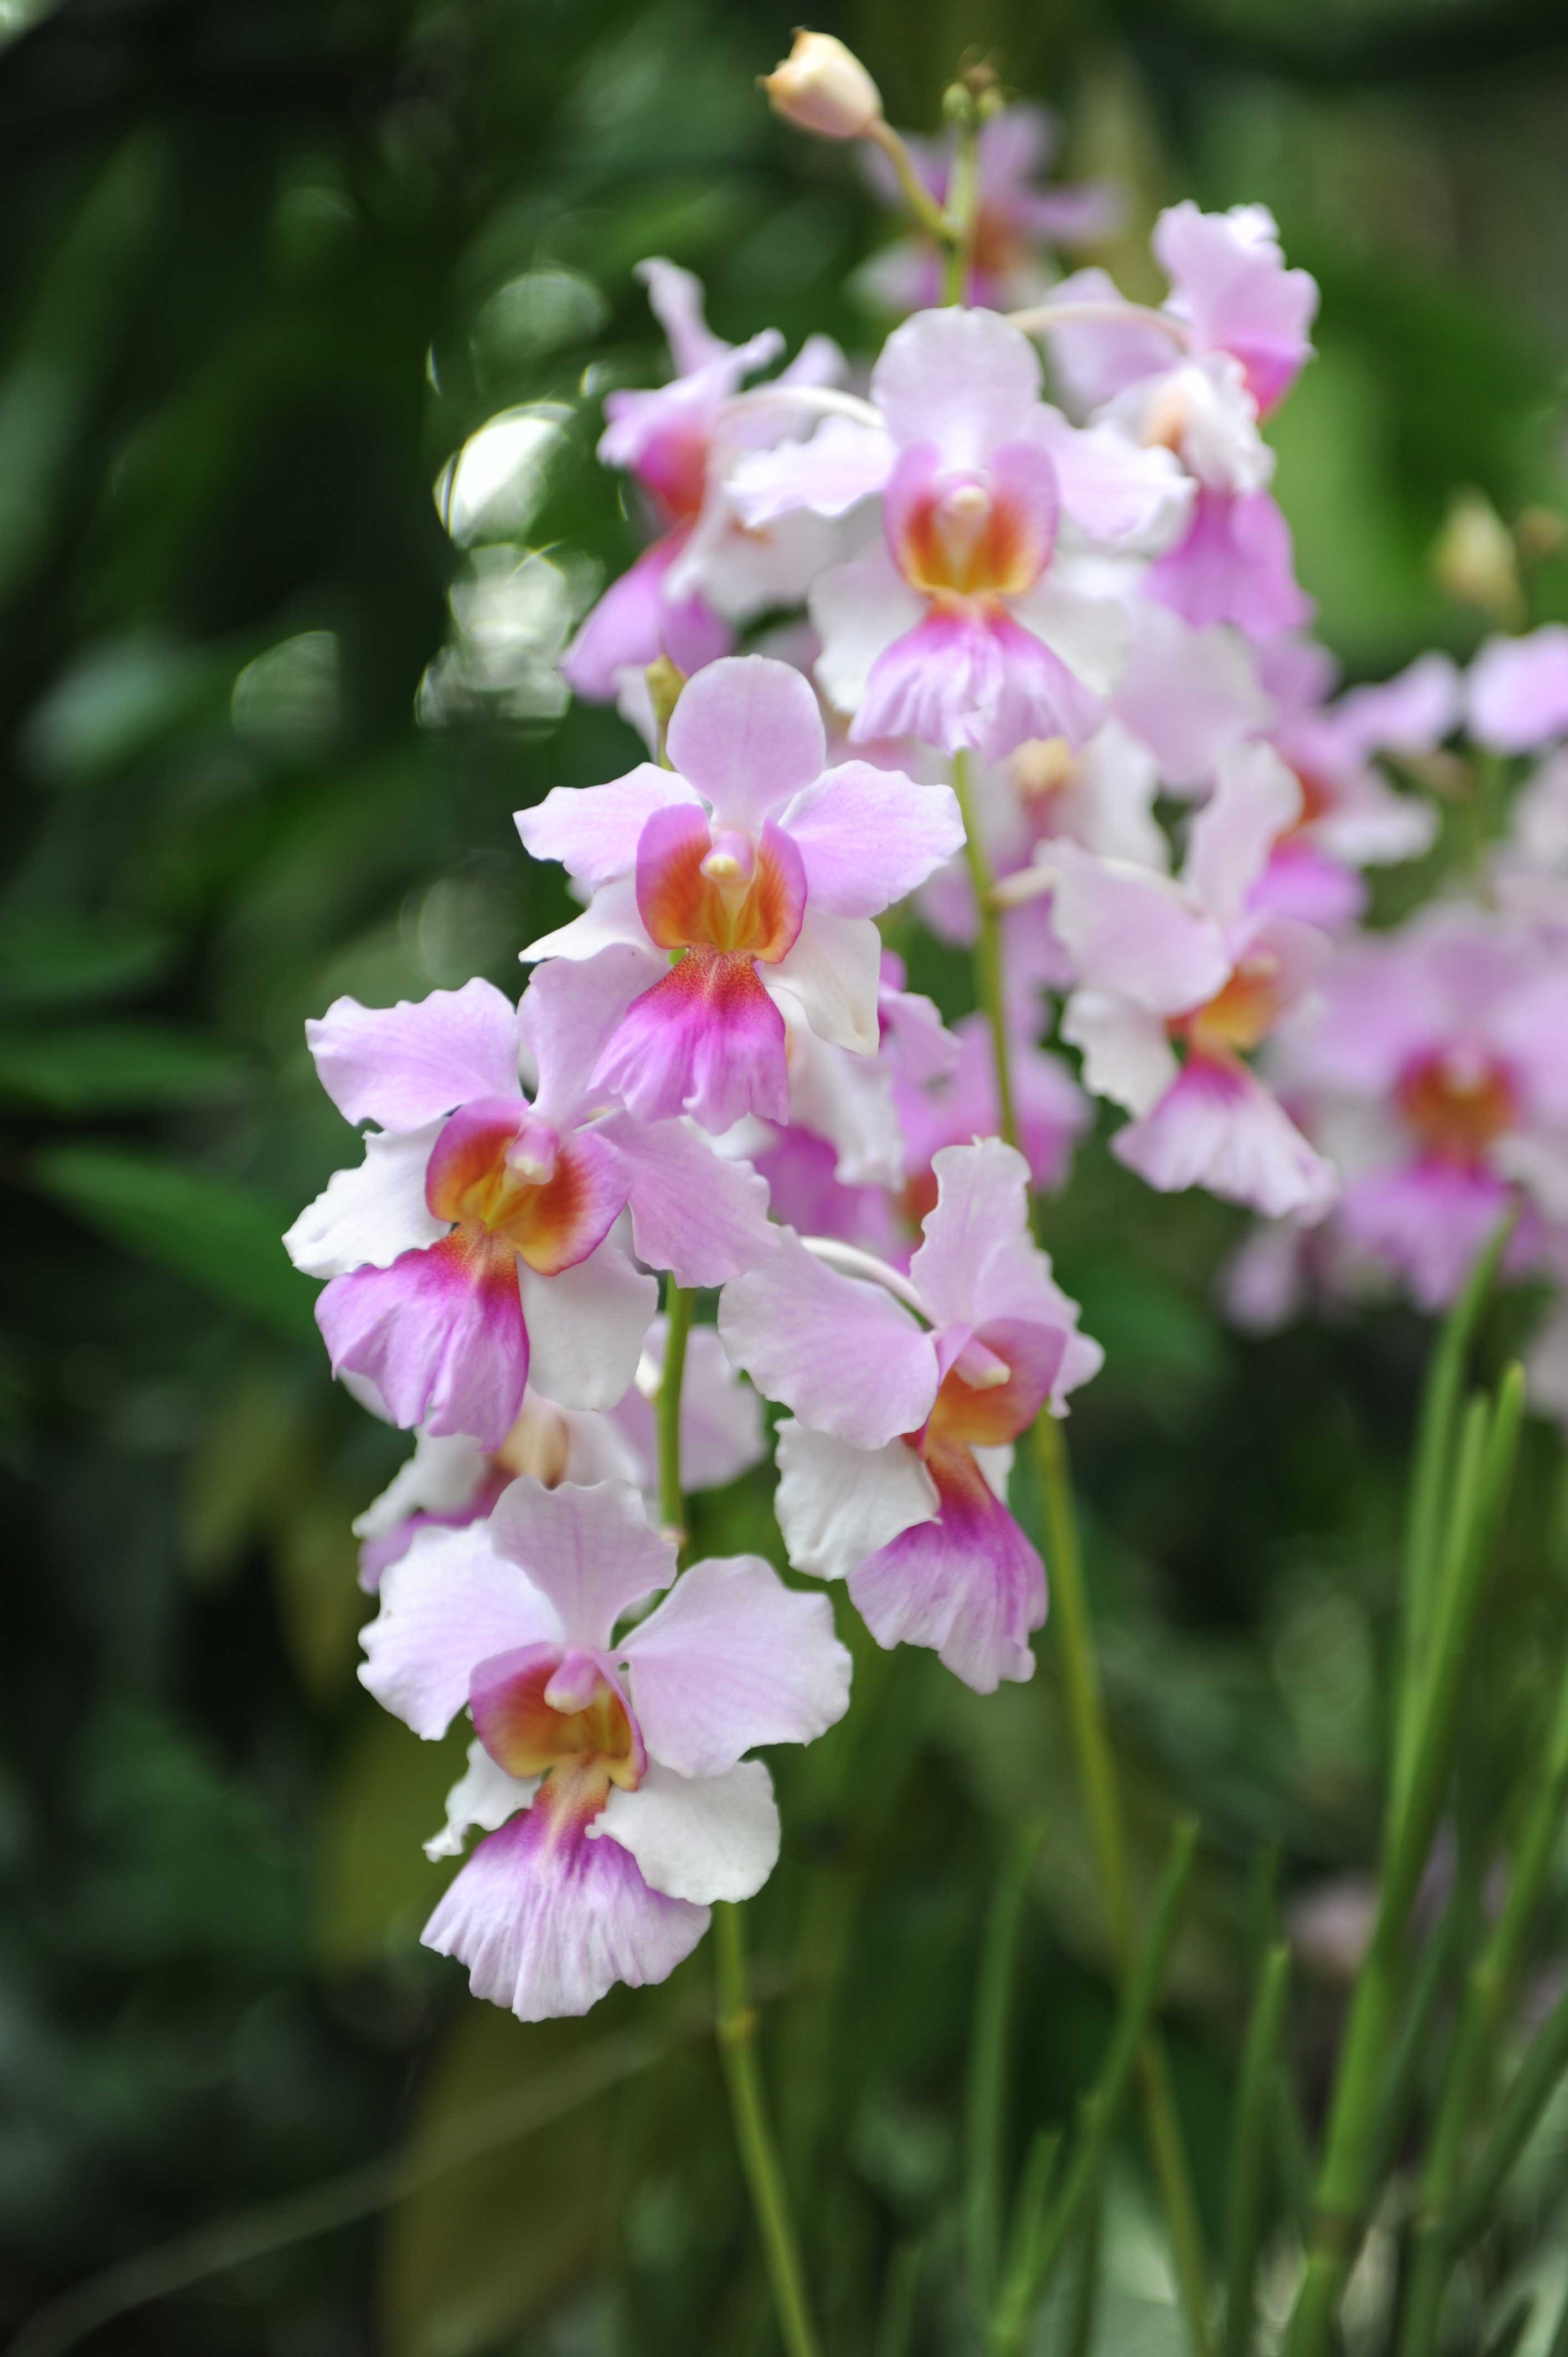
(986, 2106)
(1249, 2148)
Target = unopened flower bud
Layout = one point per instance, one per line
(823, 87)
(1476, 559)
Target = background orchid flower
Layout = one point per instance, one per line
(1179, 979)
(1015, 225)
(609, 1774)
(760, 870)
(1443, 1042)
(700, 573)
(473, 1243)
(450, 1480)
(1519, 691)
(904, 1399)
(964, 628)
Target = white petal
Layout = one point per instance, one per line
(698, 1838)
(833, 969)
(443, 1475)
(486, 1796)
(366, 1217)
(1091, 635)
(836, 1505)
(1127, 1056)
(857, 611)
(448, 1604)
(585, 1327)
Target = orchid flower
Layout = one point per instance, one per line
(609, 1774)
(905, 1395)
(759, 871)
(964, 629)
(1014, 219)
(473, 1243)
(677, 441)
(450, 1481)
(1177, 979)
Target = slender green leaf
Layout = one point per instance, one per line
(53, 960)
(104, 1067)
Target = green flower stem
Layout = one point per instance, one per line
(987, 2096)
(963, 196)
(667, 1414)
(1348, 2179)
(1101, 2111)
(1076, 1651)
(1249, 2149)
(1488, 1991)
(916, 195)
(1535, 2083)
(736, 2028)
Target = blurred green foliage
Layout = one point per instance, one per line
(268, 267)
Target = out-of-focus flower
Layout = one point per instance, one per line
(473, 1243)
(893, 1471)
(761, 868)
(1446, 1042)
(822, 86)
(703, 571)
(1519, 691)
(450, 1480)
(609, 1774)
(1178, 980)
(963, 630)
(1476, 558)
(1016, 224)
(958, 1105)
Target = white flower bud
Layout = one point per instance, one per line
(823, 87)
(1476, 560)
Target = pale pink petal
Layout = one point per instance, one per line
(638, 619)
(838, 1351)
(591, 1552)
(836, 1504)
(568, 1013)
(1134, 932)
(1189, 694)
(733, 1658)
(1530, 1028)
(1082, 212)
(442, 1477)
(844, 463)
(450, 1602)
(402, 1066)
(968, 1584)
(368, 1216)
(747, 733)
(722, 1431)
(1120, 494)
(1302, 882)
(1229, 279)
(1256, 801)
(832, 971)
(693, 1213)
(1519, 691)
(610, 921)
(1094, 359)
(1428, 1221)
(1263, 1284)
(703, 1838)
(972, 680)
(913, 1034)
(964, 380)
(1219, 1128)
(586, 1327)
(1408, 714)
(485, 1796)
(706, 1040)
(982, 1202)
(1126, 1050)
(675, 299)
(1236, 564)
(857, 611)
(593, 830)
(547, 1920)
(441, 1335)
(1089, 635)
(867, 836)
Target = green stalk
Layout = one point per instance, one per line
(1534, 2085)
(1488, 1991)
(987, 2096)
(987, 944)
(667, 1412)
(1346, 2179)
(1079, 2338)
(1249, 2149)
(1031, 2272)
(737, 2031)
(895, 2321)
(963, 194)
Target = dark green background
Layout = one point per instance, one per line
(250, 254)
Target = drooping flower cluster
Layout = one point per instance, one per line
(1082, 613)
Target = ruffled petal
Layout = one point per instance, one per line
(405, 1065)
(694, 1213)
(969, 1585)
(452, 1601)
(590, 1552)
(697, 1838)
(867, 836)
(1219, 1128)
(836, 1505)
(440, 1333)
(593, 830)
(367, 1217)
(706, 1040)
(838, 1351)
(747, 733)
(585, 1327)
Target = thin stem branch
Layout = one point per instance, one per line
(962, 206)
(1042, 317)
(987, 943)
(736, 2027)
(915, 193)
(986, 2104)
(667, 1410)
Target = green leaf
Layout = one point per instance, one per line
(221, 1236)
(374, 1885)
(49, 960)
(106, 1066)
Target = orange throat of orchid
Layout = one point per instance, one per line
(724, 892)
(560, 1718)
(1456, 1103)
(1240, 1014)
(959, 543)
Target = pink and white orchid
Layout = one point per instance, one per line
(1177, 980)
(965, 630)
(759, 871)
(1016, 223)
(473, 1245)
(450, 1481)
(905, 1395)
(703, 571)
(608, 1773)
